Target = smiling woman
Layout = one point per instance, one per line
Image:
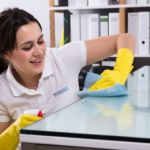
(22, 50)
(25, 52)
(28, 55)
(37, 77)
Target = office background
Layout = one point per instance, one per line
(38, 8)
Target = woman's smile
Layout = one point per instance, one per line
(36, 62)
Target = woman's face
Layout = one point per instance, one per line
(29, 54)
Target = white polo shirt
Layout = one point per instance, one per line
(57, 88)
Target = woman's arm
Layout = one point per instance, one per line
(4, 126)
(103, 47)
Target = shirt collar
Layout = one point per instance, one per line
(17, 89)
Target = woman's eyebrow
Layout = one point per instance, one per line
(40, 36)
(31, 41)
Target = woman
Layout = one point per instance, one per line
(36, 77)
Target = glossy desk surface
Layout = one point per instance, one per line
(96, 122)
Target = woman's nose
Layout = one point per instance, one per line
(38, 50)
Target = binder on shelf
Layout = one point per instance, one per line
(60, 3)
(98, 2)
(143, 86)
(114, 23)
(133, 27)
(78, 3)
(56, 2)
(66, 26)
(114, 2)
(75, 27)
(84, 27)
(132, 84)
(93, 26)
(93, 3)
(108, 63)
(59, 25)
(130, 1)
(141, 1)
(103, 2)
(143, 33)
(103, 25)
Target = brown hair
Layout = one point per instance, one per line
(10, 21)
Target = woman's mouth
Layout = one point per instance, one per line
(37, 62)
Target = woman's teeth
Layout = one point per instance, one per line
(36, 61)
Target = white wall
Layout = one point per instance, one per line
(38, 8)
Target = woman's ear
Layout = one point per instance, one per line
(7, 55)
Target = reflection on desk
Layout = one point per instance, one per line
(111, 116)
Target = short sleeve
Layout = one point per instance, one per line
(4, 115)
(73, 55)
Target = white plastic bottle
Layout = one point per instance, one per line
(35, 112)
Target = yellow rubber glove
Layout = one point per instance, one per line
(9, 139)
(121, 71)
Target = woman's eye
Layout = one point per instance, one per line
(27, 48)
(41, 42)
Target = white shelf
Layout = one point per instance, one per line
(137, 55)
(99, 7)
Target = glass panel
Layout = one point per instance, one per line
(123, 116)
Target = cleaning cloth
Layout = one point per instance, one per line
(91, 78)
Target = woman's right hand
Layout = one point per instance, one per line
(121, 71)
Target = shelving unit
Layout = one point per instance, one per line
(122, 8)
(137, 56)
(99, 7)
(54, 9)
